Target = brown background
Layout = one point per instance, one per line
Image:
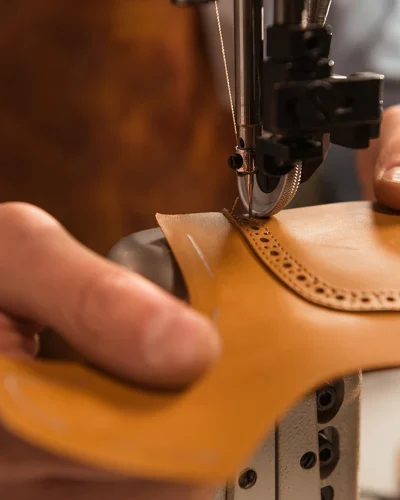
(108, 114)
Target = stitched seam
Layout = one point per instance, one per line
(343, 299)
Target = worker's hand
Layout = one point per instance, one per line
(379, 166)
(114, 318)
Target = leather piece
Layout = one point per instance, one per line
(277, 348)
(351, 262)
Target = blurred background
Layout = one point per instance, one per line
(109, 113)
(112, 110)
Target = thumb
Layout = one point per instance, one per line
(114, 317)
(387, 170)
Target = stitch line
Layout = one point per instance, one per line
(301, 267)
(314, 288)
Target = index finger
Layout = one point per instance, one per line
(387, 169)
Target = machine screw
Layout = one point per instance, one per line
(308, 460)
(247, 479)
(235, 161)
(327, 453)
(326, 399)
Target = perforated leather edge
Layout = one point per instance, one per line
(302, 281)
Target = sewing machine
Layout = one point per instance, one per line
(288, 107)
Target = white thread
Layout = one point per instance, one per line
(228, 83)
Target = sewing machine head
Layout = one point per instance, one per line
(289, 106)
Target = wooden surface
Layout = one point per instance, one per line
(108, 114)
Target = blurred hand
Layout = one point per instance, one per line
(379, 166)
(114, 318)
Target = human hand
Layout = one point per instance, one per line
(379, 166)
(113, 317)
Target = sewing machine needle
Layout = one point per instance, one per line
(250, 187)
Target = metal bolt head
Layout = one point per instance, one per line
(326, 399)
(308, 460)
(247, 479)
(327, 453)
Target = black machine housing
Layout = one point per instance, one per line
(305, 106)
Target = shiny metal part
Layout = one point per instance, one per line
(269, 204)
(290, 11)
(250, 192)
(248, 60)
(246, 175)
(248, 57)
(248, 51)
(317, 11)
(301, 11)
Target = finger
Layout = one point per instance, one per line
(18, 338)
(112, 316)
(387, 173)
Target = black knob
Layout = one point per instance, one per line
(235, 162)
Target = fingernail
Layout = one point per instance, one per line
(392, 175)
(182, 345)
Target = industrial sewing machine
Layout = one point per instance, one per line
(289, 107)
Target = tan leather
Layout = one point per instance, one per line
(344, 257)
(279, 344)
